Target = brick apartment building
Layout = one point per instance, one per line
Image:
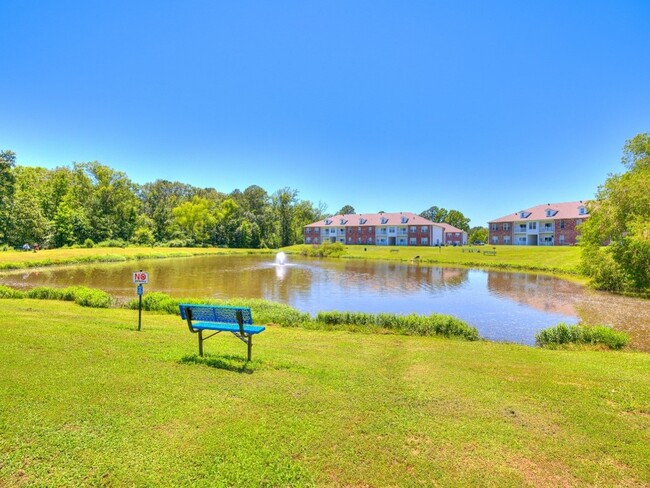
(453, 235)
(553, 224)
(380, 229)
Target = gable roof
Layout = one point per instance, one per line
(449, 227)
(367, 220)
(567, 210)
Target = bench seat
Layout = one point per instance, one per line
(248, 329)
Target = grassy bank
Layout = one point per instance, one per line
(563, 260)
(87, 400)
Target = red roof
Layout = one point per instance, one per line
(396, 218)
(450, 228)
(567, 210)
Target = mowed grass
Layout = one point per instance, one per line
(85, 399)
(557, 259)
(52, 257)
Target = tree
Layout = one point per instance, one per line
(620, 216)
(434, 214)
(457, 219)
(346, 210)
(7, 180)
(284, 201)
(195, 219)
(478, 234)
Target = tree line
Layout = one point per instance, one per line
(90, 203)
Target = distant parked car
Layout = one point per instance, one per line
(478, 243)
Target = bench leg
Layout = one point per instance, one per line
(250, 346)
(201, 343)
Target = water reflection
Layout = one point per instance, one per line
(503, 306)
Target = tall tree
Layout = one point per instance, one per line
(346, 210)
(7, 180)
(457, 219)
(434, 214)
(620, 216)
(284, 201)
(195, 219)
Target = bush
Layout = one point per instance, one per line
(7, 292)
(562, 335)
(112, 243)
(89, 243)
(81, 295)
(326, 249)
(412, 324)
(264, 312)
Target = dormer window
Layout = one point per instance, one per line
(362, 221)
(384, 220)
(550, 212)
(328, 221)
(523, 214)
(343, 221)
(404, 220)
(582, 210)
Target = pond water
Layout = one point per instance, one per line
(503, 306)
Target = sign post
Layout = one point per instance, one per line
(140, 278)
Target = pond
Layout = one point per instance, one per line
(503, 306)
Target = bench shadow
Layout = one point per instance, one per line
(236, 364)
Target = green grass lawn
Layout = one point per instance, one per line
(557, 259)
(87, 400)
(51, 257)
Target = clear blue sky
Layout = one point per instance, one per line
(485, 107)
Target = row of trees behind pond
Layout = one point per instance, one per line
(91, 203)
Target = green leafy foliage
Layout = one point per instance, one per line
(412, 324)
(325, 250)
(8, 292)
(81, 295)
(615, 240)
(562, 335)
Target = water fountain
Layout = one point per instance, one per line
(280, 259)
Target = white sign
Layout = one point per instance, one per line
(141, 277)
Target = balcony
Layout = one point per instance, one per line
(549, 228)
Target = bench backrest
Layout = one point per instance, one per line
(216, 313)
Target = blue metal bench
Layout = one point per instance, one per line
(217, 318)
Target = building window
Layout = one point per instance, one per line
(391, 230)
(561, 224)
(561, 239)
(369, 240)
(308, 230)
(349, 230)
(578, 221)
(495, 227)
(506, 239)
(495, 239)
(532, 225)
(424, 228)
(425, 241)
(414, 228)
(506, 226)
(413, 241)
(315, 240)
(349, 239)
(308, 240)
(371, 229)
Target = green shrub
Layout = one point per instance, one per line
(264, 312)
(112, 243)
(7, 292)
(89, 243)
(412, 324)
(326, 249)
(81, 295)
(562, 335)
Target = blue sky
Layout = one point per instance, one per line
(485, 107)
